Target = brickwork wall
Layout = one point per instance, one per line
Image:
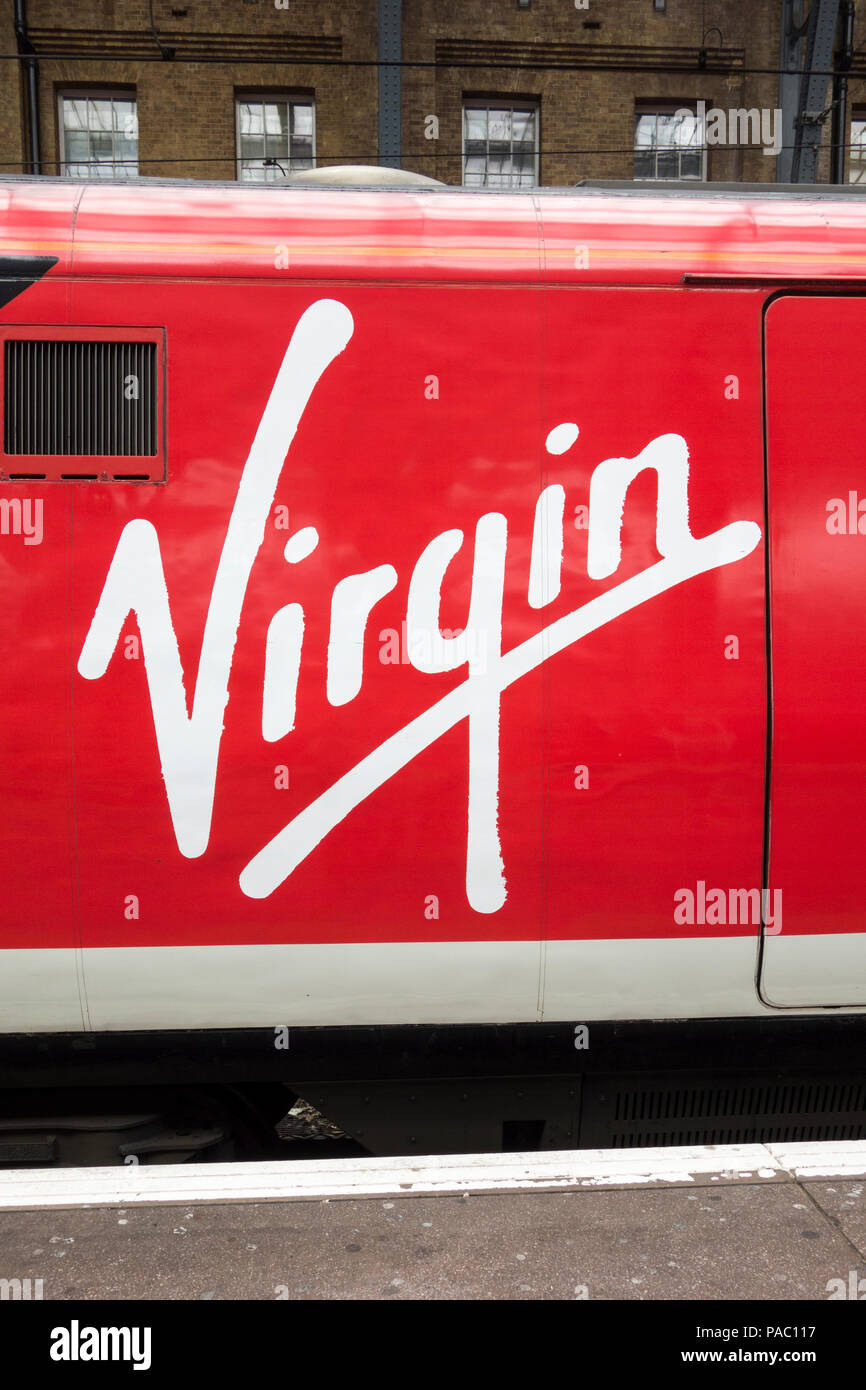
(11, 108)
(587, 117)
(186, 108)
(186, 114)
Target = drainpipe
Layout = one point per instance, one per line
(840, 93)
(31, 85)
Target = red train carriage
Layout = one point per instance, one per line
(431, 621)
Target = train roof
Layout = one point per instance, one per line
(416, 231)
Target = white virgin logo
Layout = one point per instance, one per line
(189, 742)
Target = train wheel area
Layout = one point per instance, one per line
(141, 1125)
(793, 1100)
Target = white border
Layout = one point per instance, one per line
(437, 1175)
(426, 982)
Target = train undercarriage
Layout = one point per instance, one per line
(131, 1099)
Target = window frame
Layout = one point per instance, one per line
(857, 117)
(667, 108)
(501, 103)
(291, 97)
(83, 92)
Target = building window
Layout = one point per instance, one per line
(500, 145)
(276, 137)
(668, 144)
(98, 135)
(857, 151)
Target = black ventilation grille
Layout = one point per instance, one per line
(80, 399)
(649, 1113)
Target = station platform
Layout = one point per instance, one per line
(755, 1221)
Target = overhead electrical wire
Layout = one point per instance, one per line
(713, 64)
(373, 157)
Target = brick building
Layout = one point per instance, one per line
(487, 92)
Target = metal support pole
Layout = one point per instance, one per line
(820, 37)
(790, 65)
(840, 93)
(390, 84)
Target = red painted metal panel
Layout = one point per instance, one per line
(466, 349)
(435, 414)
(816, 437)
(581, 237)
(664, 710)
(296, 234)
(36, 849)
(429, 419)
(36, 218)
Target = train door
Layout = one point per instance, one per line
(655, 733)
(815, 948)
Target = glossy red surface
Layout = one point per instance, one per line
(494, 298)
(816, 440)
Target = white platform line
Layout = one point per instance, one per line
(435, 1175)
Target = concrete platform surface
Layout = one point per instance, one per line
(744, 1222)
